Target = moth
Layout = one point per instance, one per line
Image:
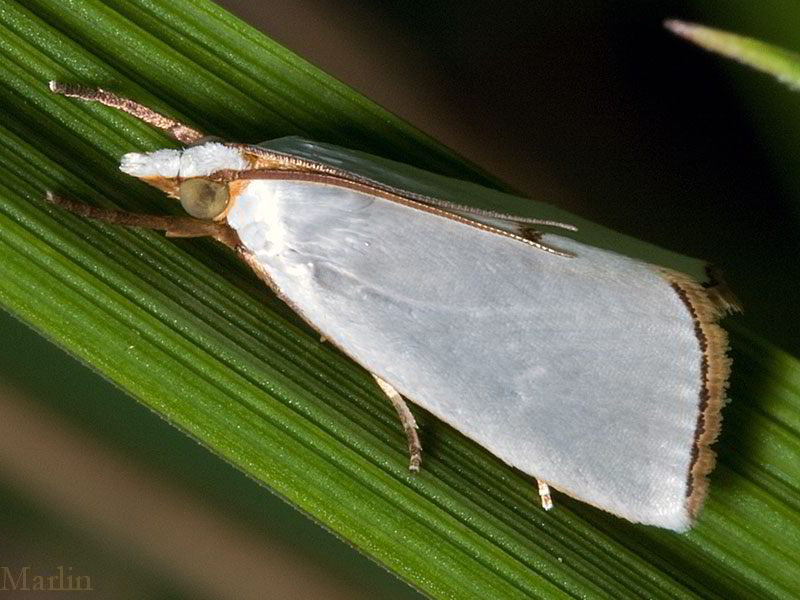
(597, 374)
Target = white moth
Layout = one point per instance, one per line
(597, 374)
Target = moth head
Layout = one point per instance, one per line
(197, 176)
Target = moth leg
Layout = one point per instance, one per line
(719, 293)
(179, 131)
(407, 421)
(171, 226)
(544, 494)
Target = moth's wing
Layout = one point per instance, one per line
(586, 373)
(521, 227)
(525, 227)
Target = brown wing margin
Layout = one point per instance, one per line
(706, 305)
(521, 228)
(234, 177)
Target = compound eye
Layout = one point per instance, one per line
(203, 198)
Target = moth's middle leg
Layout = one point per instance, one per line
(407, 421)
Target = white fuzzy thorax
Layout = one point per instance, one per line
(196, 161)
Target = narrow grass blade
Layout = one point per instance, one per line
(781, 63)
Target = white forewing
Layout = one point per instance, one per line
(582, 372)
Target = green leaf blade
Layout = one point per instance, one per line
(191, 334)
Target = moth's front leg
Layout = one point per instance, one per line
(171, 226)
(407, 421)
